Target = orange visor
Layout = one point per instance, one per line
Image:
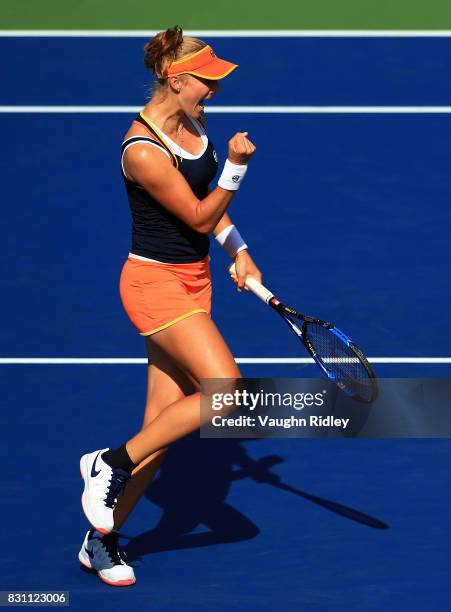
(203, 63)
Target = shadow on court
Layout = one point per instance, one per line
(192, 489)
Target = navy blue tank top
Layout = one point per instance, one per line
(157, 233)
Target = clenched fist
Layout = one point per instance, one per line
(241, 148)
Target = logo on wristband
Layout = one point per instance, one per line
(235, 178)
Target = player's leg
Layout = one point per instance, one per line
(101, 553)
(166, 383)
(198, 348)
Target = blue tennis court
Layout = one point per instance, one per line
(347, 214)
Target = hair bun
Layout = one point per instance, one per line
(162, 50)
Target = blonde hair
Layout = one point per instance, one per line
(166, 47)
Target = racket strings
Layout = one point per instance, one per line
(339, 358)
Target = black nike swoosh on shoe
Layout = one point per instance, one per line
(90, 553)
(95, 472)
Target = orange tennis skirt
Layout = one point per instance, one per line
(157, 295)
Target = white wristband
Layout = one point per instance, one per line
(232, 176)
(230, 239)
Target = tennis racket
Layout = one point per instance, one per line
(338, 357)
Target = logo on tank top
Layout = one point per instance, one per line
(215, 155)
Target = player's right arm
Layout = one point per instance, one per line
(153, 170)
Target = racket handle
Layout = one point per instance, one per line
(253, 285)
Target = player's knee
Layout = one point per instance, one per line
(219, 373)
(230, 371)
(222, 394)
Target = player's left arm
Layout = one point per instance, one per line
(224, 222)
(244, 264)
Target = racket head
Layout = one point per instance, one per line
(342, 361)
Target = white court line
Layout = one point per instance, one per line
(232, 33)
(243, 360)
(294, 360)
(241, 109)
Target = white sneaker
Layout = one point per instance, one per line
(100, 553)
(102, 487)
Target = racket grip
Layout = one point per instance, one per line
(253, 285)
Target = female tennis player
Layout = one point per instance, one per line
(168, 163)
